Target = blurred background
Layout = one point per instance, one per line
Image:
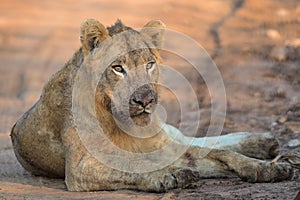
(38, 37)
(255, 44)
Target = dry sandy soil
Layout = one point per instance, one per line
(255, 44)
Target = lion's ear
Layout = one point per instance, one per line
(92, 33)
(154, 31)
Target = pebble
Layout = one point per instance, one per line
(293, 43)
(257, 94)
(273, 34)
(282, 119)
(279, 53)
(294, 143)
(274, 124)
(282, 12)
(293, 126)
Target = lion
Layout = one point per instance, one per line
(46, 140)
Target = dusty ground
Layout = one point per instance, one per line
(255, 44)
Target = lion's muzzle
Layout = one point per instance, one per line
(143, 99)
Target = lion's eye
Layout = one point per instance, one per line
(150, 65)
(118, 68)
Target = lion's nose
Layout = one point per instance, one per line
(143, 102)
(143, 96)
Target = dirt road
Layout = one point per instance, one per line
(255, 44)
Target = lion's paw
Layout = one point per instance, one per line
(269, 172)
(175, 178)
(185, 176)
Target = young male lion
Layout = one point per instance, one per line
(53, 138)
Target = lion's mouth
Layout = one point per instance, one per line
(141, 110)
(141, 119)
(145, 111)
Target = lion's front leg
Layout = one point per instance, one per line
(91, 175)
(86, 173)
(222, 163)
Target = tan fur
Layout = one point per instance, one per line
(46, 142)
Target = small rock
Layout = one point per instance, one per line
(293, 43)
(257, 94)
(274, 124)
(294, 143)
(273, 34)
(281, 119)
(293, 126)
(278, 92)
(279, 53)
(282, 12)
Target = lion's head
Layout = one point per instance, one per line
(128, 88)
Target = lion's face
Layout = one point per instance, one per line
(128, 86)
